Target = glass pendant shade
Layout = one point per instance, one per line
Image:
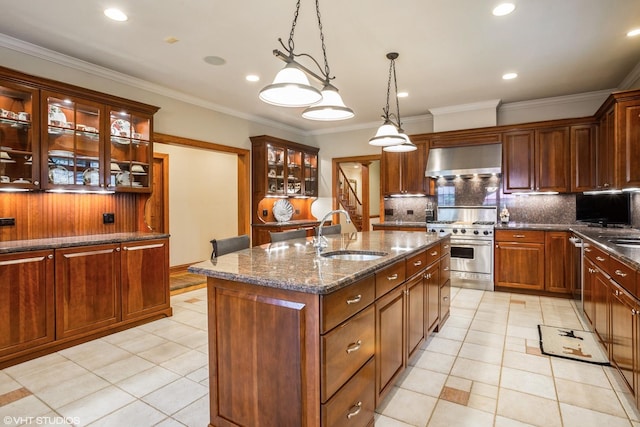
(290, 88)
(387, 135)
(330, 108)
(406, 146)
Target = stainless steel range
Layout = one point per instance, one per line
(471, 229)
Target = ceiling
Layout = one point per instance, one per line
(452, 52)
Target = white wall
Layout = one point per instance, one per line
(202, 200)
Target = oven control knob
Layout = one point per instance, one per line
(455, 230)
(486, 232)
(442, 230)
(476, 232)
(463, 231)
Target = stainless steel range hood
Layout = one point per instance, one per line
(468, 160)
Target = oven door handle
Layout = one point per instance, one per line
(467, 243)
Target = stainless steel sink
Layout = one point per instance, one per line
(353, 255)
(626, 242)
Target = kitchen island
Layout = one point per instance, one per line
(302, 339)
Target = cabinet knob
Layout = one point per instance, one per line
(50, 256)
(36, 182)
(118, 249)
(445, 298)
(633, 312)
(355, 299)
(354, 346)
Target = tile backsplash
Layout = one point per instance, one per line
(487, 191)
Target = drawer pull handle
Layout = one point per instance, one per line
(355, 299)
(633, 312)
(354, 347)
(50, 256)
(617, 292)
(519, 236)
(446, 269)
(445, 298)
(446, 246)
(587, 249)
(353, 412)
(434, 253)
(620, 273)
(394, 276)
(427, 276)
(417, 263)
(599, 258)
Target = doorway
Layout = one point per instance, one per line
(356, 188)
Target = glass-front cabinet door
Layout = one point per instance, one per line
(276, 170)
(71, 143)
(310, 175)
(294, 172)
(130, 156)
(19, 154)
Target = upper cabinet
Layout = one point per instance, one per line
(403, 173)
(283, 168)
(55, 136)
(583, 157)
(536, 160)
(19, 149)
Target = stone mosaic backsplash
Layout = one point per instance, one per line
(534, 209)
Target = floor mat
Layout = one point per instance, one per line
(180, 281)
(572, 344)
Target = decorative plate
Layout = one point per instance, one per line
(58, 175)
(123, 178)
(121, 127)
(91, 176)
(282, 210)
(56, 114)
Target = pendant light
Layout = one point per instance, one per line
(390, 135)
(291, 87)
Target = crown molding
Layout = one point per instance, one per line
(482, 105)
(115, 76)
(553, 101)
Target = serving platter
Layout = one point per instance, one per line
(282, 210)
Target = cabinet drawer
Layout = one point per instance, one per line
(416, 263)
(433, 253)
(345, 349)
(598, 256)
(527, 236)
(354, 404)
(389, 277)
(344, 303)
(624, 275)
(445, 246)
(445, 273)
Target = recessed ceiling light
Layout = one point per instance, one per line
(252, 78)
(403, 94)
(503, 9)
(509, 76)
(171, 40)
(214, 60)
(115, 14)
(634, 32)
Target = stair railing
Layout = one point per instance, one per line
(348, 199)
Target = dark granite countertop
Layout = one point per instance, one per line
(296, 222)
(294, 265)
(405, 224)
(600, 238)
(67, 242)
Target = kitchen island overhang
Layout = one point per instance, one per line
(298, 339)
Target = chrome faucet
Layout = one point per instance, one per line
(320, 241)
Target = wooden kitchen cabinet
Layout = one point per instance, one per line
(588, 277)
(416, 313)
(26, 301)
(403, 173)
(20, 164)
(390, 340)
(536, 160)
(432, 283)
(583, 142)
(145, 278)
(519, 259)
(87, 289)
(557, 267)
(605, 151)
(625, 335)
(629, 128)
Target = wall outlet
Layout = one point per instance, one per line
(108, 218)
(409, 211)
(4, 222)
(265, 212)
(388, 211)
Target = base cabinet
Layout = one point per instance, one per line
(57, 298)
(26, 301)
(87, 289)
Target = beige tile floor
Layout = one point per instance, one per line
(483, 369)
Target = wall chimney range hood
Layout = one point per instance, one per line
(468, 160)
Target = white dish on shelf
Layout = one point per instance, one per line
(91, 176)
(60, 153)
(56, 114)
(22, 181)
(4, 155)
(282, 210)
(123, 178)
(115, 167)
(58, 175)
(121, 127)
